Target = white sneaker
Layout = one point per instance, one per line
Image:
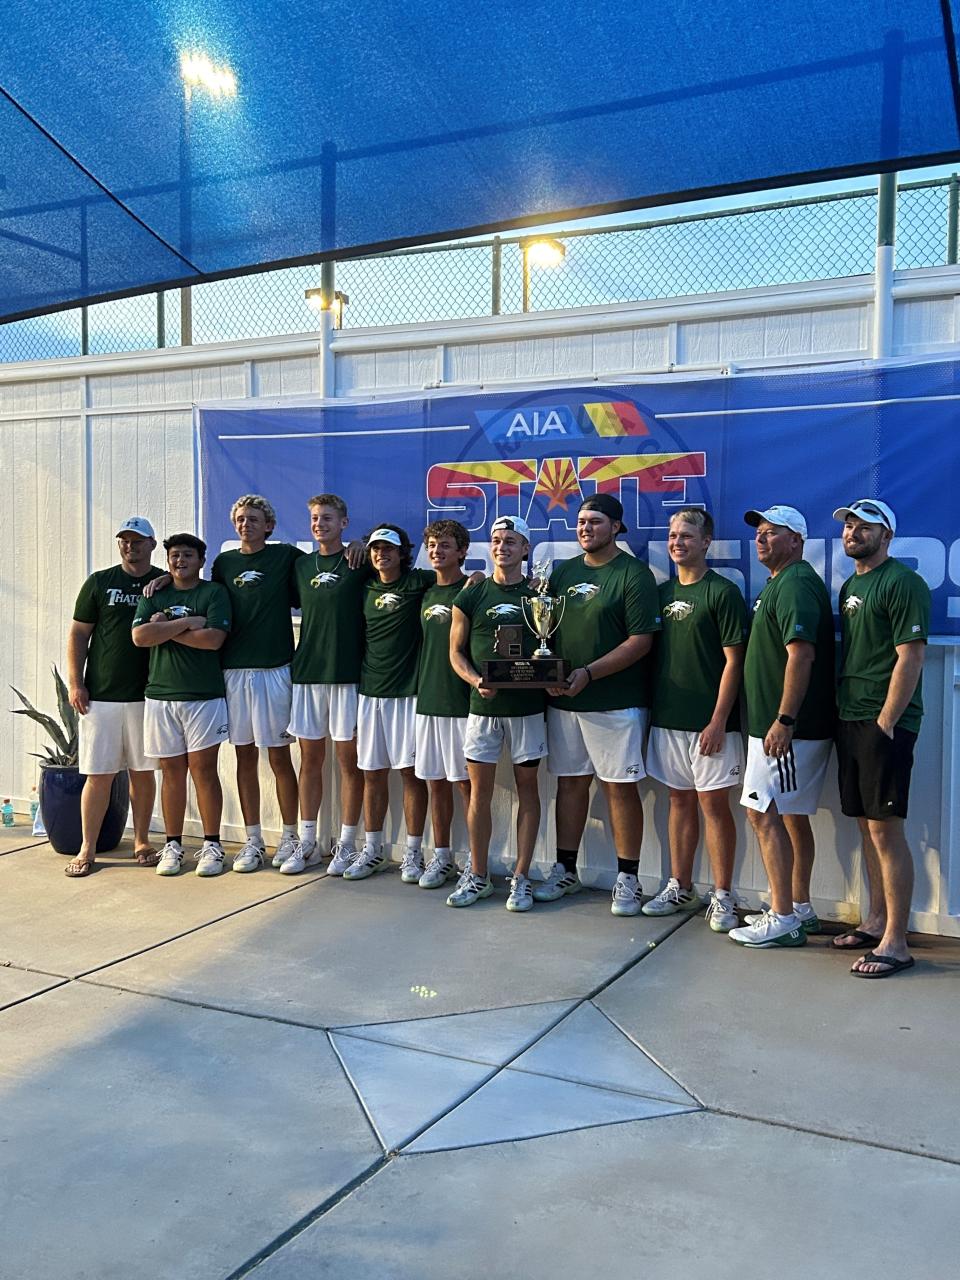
(521, 894)
(250, 857)
(470, 889)
(411, 868)
(342, 856)
(437, 873)
(626, 896)
(171, 859)
(370, 860)
(304, 856)
(560, 881)
(771, 930)
(209, 859)
(672, 899)
(802, 910)
(722, 912)
(285, 849)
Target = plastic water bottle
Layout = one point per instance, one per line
(6, 811)
(34, 805)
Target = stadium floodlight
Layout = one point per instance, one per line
(539, 251)
(316, 298)
(197, 71)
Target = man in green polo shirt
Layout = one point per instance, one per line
(259, 578)
(106, 676)
(443, 701)
(386, 707)
(788, 676)
(884, 624)
(325, 673)
(184, 626)
(695, 748)
(498, 718)
(597, 722)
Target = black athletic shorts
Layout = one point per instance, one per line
(874, 769)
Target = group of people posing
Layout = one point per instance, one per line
(164, 666)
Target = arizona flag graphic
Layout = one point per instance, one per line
(619, 418)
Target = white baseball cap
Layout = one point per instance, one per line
(871, 510)
(385, 535)
(789, 517)
(137, 524)
(513, 523)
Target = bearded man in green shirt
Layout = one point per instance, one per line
(106, 676)
(884, 624)
(788, 676)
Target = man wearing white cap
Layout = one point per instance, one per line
(884, 623)
(106, 677)
(511, 718)
(788, 678)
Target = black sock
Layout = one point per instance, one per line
(567, 859)
(179, 838)
(215, 839)
(628, 866)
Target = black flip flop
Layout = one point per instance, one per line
(863, 939)
(896, 966)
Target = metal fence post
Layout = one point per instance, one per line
(328, 367)
(953, 207)
(496, 255)
(883, 266)
(161, 321)
(186, 316)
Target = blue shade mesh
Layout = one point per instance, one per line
(366, 124)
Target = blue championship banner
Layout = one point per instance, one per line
(815, 440)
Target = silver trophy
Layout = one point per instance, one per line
(543, 613)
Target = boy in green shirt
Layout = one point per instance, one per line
(184, 625)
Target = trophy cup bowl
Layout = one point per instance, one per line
(543, 614)
(542, 670)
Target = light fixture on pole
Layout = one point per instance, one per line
(539, 251)
(319, 300)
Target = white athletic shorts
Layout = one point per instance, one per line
(440, 753)
(324, 711)
(111, 738)
(258, 700)
(674, 758)
(174, 728)
(525, 738)
(386, 738)
(793, 782)
(606, 743)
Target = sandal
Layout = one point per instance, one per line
(76, 869)
(146, 857)
(860, 939)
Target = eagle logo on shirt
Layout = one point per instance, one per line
(503, 611)
(678, 609)
(852, 604)
(583, 590)
(438, 611)
(178, 611)
(389, 601)
(249, 578)
(324, 580)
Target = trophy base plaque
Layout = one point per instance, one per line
(524, 673)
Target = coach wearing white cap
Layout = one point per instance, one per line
(788, 678)
(106, 676)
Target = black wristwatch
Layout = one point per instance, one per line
(787, 721)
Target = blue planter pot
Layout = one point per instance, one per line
(60, 790)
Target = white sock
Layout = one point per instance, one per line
(308, 833)
(777, 915)
(374, 840)
(290, 829)
(254, 832)
(443, 854)
(802, 908)
(414, 843)
(348, 836)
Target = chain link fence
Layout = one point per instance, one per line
(817, 238)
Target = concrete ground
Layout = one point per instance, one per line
(292, 1078)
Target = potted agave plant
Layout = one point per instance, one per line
(61, 781)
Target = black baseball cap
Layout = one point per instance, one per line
(607, 505)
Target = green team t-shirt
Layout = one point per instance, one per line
(792, 606)
(487, 605)
(440, 691)
(330, 596)
(116, 669)
(262, 593)
(699, 622)
(177, 672)
(392, 634)
(887, 606)
(603, 606)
